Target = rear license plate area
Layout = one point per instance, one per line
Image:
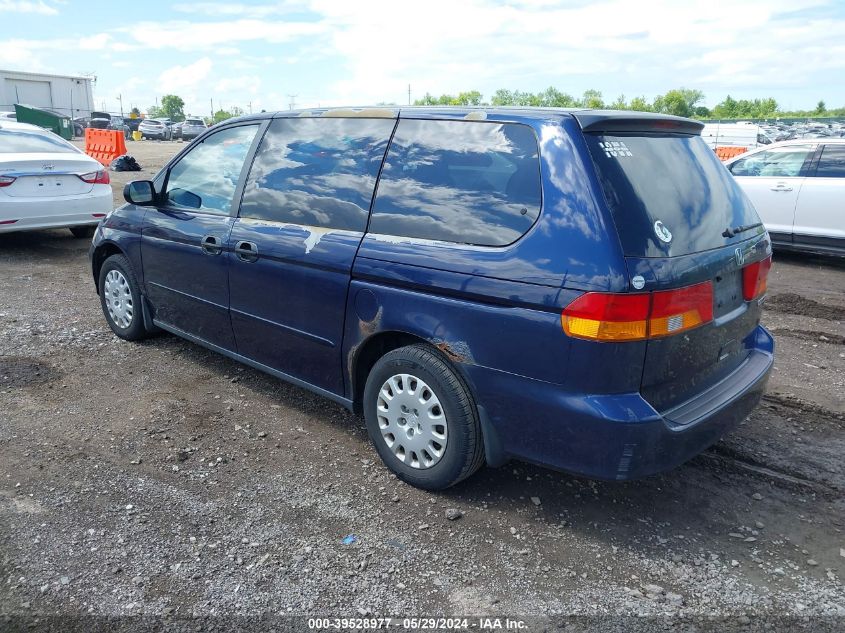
(727, 292)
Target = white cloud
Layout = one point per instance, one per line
(209, 36)
(27, 6)
(217, 9)
(180, 78)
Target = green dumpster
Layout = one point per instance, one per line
(54, 121)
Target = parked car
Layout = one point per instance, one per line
(519, 284)
(176, 129)
(153, 128)
(80, 124)
(106, 121)
(798, 188)
(45, 182)
(192, 128)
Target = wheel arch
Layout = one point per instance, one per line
(101, 253)
(368, 353)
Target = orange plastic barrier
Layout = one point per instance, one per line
(104, 145)
(724, 153)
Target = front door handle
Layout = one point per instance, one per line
(246, 251)
(781, 187)
(211, 245)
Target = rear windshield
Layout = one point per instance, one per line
(669, 195)
(32, 142)
(193, 122)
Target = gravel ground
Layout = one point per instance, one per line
(162, 480)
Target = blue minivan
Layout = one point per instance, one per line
(578, 289)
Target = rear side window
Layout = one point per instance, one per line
(459, 181)
(33, 142)
(779, 162)
(669, 195)
(832, 163)
(317, 172)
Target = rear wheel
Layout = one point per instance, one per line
(422, 419)
(120, 297)
(82, 231)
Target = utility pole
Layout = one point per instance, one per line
(212, 109)
(120, 99)
(409, 94)
(250, 107)
(292, 101)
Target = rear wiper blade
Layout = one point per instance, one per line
(730, 232)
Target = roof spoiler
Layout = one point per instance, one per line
(623, 121)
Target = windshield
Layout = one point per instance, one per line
(32, 142)
(669, 195)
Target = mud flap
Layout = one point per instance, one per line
(493, 452)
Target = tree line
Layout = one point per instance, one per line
(684, 102)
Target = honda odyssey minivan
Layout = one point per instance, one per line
(578, 289)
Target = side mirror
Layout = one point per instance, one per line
(140, 192)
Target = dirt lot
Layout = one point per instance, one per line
(164, 480)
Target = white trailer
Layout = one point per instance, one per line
(66, 94)
(740, 134)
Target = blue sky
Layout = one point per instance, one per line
(356, 52)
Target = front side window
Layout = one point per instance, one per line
(832, 163)
(779, 162)
(317, 172)
(205, 178)
(469, 182)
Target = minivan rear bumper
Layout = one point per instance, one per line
(618, 436)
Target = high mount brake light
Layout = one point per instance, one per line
(754, 278)
(600, 316)
(100, 177)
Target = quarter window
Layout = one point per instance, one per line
(459, 181)
(832, 163)
(779, 162)
(317, 172)
(205, 178)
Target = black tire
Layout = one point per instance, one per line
(135, 330)
(464, 451)
(81, 232)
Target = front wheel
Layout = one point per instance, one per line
(421, 417)
(120, 297)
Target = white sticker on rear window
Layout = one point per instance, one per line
(615, 149)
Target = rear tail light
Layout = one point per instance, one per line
(600, 316)
(754, 277)
(96, 177)
(5, 181)
(7, 221)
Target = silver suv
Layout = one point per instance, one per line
(192, 128)
(152, 128)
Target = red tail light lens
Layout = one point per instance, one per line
(600, 316)
(607, 317)
(754, 278)
(674, 311)
(5, 181)
(100, 177)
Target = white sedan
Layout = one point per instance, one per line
(798, 188)
(45, 182)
